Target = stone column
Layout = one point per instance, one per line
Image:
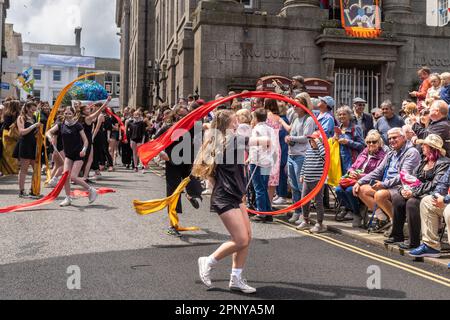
(296, 7)
(396, 8)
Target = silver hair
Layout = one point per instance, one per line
(345, 109)
(387, 103)
(397, 130)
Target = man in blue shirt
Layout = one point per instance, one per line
(326, 118)
(389, 120)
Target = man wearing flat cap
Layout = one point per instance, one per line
(364, 120)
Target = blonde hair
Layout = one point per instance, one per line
(376, 136)
(244, 116)
(445, 78)
(213, 147)
(410, 109)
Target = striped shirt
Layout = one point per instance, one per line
(314, 164)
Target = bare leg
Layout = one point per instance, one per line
(384, 201)
(74, 175)
(366, 194)
(89, 164)
(59, 164)
(271, 193)
(68, 164)
(24, 164)
(238, 227)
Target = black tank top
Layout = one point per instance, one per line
(88, 131)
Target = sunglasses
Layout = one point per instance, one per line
(371, 142)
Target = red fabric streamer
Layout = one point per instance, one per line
(150, 150)
(46, 200)
(121, 124)
(84, 194)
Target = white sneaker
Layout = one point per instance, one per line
(295, 218)
(239, 284)
(305, 225)
(319, 228)
(300, 220)
(280, 202)
(92, 195)
(205, 271)
(53, 183)
(66, 203)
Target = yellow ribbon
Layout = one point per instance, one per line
(149, 207)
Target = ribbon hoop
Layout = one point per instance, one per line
(150, 150)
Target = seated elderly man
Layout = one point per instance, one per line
(378, 187)
(432, 209)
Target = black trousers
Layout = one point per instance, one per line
(101, 152)
(175, 174)
(406, 210)
(127, 153)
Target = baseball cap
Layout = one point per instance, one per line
(359, 100)
(329, 101)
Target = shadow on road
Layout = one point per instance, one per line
(300, 291)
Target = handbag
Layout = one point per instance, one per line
(347, 182)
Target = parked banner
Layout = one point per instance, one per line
(66, 61)
(361, 18)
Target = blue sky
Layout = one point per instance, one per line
(54, 21)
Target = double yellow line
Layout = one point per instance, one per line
(391, 262)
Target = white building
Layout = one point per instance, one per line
(51, 79)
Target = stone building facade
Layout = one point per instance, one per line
(214, 46)
(11, 65)
(135, 19)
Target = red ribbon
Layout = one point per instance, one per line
(84, 194)
(46, 200)
(150, 150)
(121, 124)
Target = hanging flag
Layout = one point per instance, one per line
(25, 81)
(361, 18)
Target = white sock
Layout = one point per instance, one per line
(212, 261)
(236, 272)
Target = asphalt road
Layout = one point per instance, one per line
(125, 256)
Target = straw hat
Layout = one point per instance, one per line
(434, 141)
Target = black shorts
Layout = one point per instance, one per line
(220, 210)
(74, 157)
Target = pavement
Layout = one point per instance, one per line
(122, 255)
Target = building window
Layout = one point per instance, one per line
(37, 74)
(57, 75)
(55, 96)
(247, 3)
(37, 94)
(108, 87)
(437, 12)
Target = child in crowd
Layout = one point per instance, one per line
(310, 176)
(262, 152)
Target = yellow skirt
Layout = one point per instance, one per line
(8, 165)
